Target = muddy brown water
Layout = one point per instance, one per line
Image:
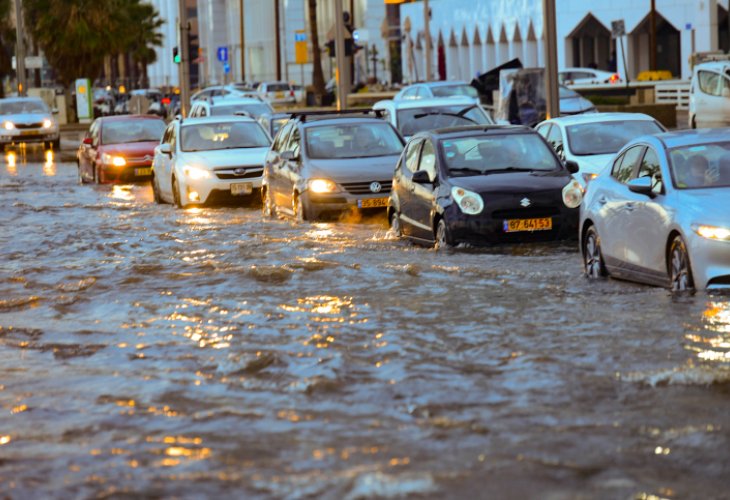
(149, 351)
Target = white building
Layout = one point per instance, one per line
(472, 36)
(163, 72)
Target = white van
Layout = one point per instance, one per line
(709, 95)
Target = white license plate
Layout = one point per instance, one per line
(142, 171)
(241, 188)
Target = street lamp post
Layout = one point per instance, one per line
(427, 33)
(243, 41)
(20, 50)
(342, 70)
(184, 66)
(551, 59)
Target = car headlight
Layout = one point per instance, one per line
(8, 125)
(195, 173)
(469, 202)
(588, 177)
(47, 123)
(322, 186)
(572, 194)
(116, 161)
(712, 232)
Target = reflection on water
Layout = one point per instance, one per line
(122, 192)
(49, 167)
(713, 342)
(11, 159)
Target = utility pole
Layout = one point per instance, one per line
(427, 31)
(278, 39)
(22, 87)
(652, 36)
(551, 59)
(184, 66)
(243, 41)
(342, 70)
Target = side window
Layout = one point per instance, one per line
(709, 82)
(202, 111)
(410, 93)
(173, 137)
(281, 137)
(623, 172)
(294, 142)
(421, 93)
(428, 160)
(555, 138)
(650, 168)
(166, 136)
(94, 132)
(543, 130)
(412, 155)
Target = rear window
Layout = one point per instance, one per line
(359, 140)
(607, 137)
(277, 87)
(414, 120)
(255, 109)
(454, 90)
(128, 131)
(227, 135)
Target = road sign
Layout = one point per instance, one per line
(226, 68)
(687, 26)
(301, 51)
(618, 28)
(222, 54)
(84, 109)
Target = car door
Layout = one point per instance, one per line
(423, 195)
(708, 99)
(86, 154)
(163, 169)
(274, 165)
(93, 152)
(290, 169)
(406, 187)
(616, 204)
(555, 139)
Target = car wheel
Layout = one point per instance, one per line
(443, 238)
(156, 190)
(300, 211)
(395, 225)
(593, 264)
(680, 272)
(268, 208)
(176, 193)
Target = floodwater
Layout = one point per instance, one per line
(150, 351)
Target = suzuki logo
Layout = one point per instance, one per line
(239, 171)
(525, 202)
(375, 187)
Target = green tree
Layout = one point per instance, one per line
(7, 43)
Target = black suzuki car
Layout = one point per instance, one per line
(483, 185)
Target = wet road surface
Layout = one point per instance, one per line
(149, 351)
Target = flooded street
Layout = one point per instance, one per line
(150, 351)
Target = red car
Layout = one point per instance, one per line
(119, 148)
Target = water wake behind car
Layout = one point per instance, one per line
(207, 352)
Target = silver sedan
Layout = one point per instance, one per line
(660, 214)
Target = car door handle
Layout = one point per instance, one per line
(602, 200)
(629, 207)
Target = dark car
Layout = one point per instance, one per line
(483, 185)
(321, 165)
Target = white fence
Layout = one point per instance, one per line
(672, 93)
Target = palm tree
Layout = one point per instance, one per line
(317, 76)
(7, 42)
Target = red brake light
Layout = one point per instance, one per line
(614, 78)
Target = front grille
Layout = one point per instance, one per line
(526, 213)
(248, 173)
(29, 125)
(364, 187)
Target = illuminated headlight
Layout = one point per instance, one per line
(712, 232)
(588, 177)
(47, 123)
(116, 161)
(572, 194)
(196, 173)
(322, 186)
(8, 125)
(469, 202)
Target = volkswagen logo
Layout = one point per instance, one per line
(525, 202)
(375, 187)
(239, 171)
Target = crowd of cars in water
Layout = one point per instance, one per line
(645, 204)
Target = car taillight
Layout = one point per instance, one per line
(291, 93)
(614, 78)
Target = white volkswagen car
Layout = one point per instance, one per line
(591, 140)
(205, 160)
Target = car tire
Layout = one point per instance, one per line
(443, 239)
(267, 204)
(679, 269)
(300, 210)
(593, 265)
(156, 190)
(395, 226)
(176, 193)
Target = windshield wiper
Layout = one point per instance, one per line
(466, 169)
(444, 113)
(509, 169)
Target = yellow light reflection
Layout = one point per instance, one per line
(11, 159)
(122, 193)
(713, 343)
(4, 439)
(49, 167)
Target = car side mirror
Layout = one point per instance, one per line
(289, 156)
(642, 185)
(572, 166)
(87, 141)
(165, 149)
(421, 177)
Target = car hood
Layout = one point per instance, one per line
(226, 157)
(26, 118)
(705, 206)
(593, 164)
(378, 168)
(513, 182)
(130, 150)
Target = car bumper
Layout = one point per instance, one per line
(218, 190)
(710, 260)
(324, 205)
(29, 136)
(128, 173)
(485, 229)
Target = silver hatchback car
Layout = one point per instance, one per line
(661, 213)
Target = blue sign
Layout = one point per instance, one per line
(222, 54)
(688, 26)
(300, 37)
(226, 68)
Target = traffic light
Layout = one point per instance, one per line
(175, 55)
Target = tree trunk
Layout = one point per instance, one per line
(317, 76)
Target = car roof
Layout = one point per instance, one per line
(217, 119)
(443, 83)
(123, 118)
(228, 101)
(718, 65)
(693, 137)
(474, 130)
(425, 103)
(21, 99)
(338, 120)
(598, 117)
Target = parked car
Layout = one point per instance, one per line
(277, 92)
(482, 185)
(207, 160)
(119, 148)
(412, 116)
(660, 214)
(230, 105)
(215, 91)
(709, 95)
(592, 140)
(430, 90)
(27, 120)
(324, 164)
(588, 76)
(272, 122)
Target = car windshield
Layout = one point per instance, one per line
(20, 107)
(497, 152)
(414, 120)
(600, 138)
(452, 90)
(356, 140)
(254, 109)
(124, 131)
(703, 166)
(226, 135)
